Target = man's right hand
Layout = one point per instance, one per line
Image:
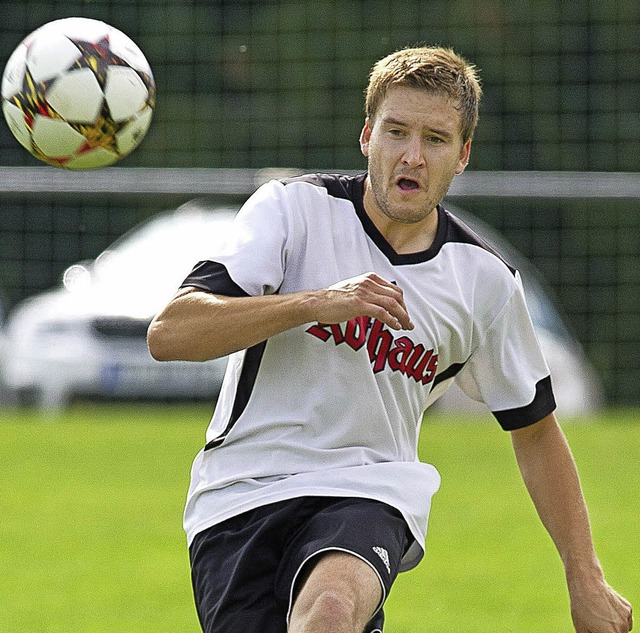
(364, 295)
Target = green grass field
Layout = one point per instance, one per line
(91, 538)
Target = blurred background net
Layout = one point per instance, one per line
(256, 84)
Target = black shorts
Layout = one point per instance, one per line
(244, 569)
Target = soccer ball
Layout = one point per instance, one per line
(78, 93)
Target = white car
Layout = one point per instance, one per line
(5, 396)
(88, 337)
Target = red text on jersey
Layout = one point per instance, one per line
(399, 354)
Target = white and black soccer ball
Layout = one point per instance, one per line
(78, 93)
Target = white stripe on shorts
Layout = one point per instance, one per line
(347, 551)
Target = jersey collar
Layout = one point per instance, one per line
(397, 259)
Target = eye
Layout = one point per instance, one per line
(396, 132)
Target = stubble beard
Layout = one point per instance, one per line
(399, 213)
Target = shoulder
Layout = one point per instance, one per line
(476, 248)
(341, 186)
(478, 269)
(313, 199)
(294, 207)
(459, 232)
(316, 190)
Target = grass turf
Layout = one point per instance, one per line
(91, 539)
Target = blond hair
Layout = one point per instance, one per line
(431, 68)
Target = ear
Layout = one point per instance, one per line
(463, 159)
(365, 137)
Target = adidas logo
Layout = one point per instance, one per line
(384, 556)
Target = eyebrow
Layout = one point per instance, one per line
(392, 121)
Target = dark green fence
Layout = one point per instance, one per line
(264, 83)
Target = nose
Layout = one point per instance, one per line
(413, 156)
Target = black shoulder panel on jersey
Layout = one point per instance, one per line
(458, 231)
(213, 277)
(542, 405)
(341, 186)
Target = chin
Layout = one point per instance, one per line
(409, 216)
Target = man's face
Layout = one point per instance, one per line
(414, 147)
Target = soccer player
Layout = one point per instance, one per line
(347, 306)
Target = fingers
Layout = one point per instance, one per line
(392, 313)
(385, 301)
(603, 612)
(370, 295)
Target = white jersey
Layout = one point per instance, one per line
(335, 410)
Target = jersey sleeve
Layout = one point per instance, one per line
(250, 259)
(507, 371)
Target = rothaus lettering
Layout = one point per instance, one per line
(398, 354)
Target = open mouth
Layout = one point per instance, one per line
(407, 184)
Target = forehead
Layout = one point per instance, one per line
(419, 108)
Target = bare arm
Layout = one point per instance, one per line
(550, 474)
(197, 325)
